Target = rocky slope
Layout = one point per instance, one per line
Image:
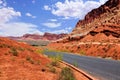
(19, 61)
(97, 35)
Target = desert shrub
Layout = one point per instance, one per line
(66, 74)
(75, 64)
(21, 49)
(52, 66)
(39, 51)
(54, 63)
(14, 52)
(28, 58)
(4, 46)
(56, 59)
(59, 57)
(82, 52)
(52, 69)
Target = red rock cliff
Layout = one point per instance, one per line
(107, 14)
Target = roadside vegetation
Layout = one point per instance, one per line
(14, 52)
(66, 74)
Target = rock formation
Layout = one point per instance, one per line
(98, 34)
(46, 36)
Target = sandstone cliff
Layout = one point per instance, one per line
(98, 34)
(104, 19)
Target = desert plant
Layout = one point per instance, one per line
(66, 74)
(39, 51)
(52, 69)
(14, 52)
(28, 58)
(75, 64)
(21, 49)
(82, 52)
(55, 63)
(59, 57)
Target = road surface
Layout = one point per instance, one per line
(102, 69)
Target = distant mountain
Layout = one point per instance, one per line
(49, 36)
(46, 36)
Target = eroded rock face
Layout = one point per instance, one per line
(32, 36)
(97, 35)
(51, 36)
(107, 14)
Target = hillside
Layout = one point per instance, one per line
(19, 61)
(98, 34)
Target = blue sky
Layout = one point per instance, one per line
(18, 17)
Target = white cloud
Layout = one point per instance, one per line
(52, 24)
(18, 29)
(66, 30)
(2, 3)
(60, 31)
(46, 7)
(103, 1)
(30, 15)
(8, 25)
(74, 8)
(53, 20)
(7, 14)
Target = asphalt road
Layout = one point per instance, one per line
(102, 69)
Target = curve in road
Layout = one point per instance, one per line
(102, 69)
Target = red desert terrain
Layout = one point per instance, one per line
(19, 61)
(98, 34)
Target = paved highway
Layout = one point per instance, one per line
(102, 69)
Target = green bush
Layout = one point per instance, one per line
(75, 64)
(82, 52)
(54, 63)
(53, 70)
(66, 74)
(14, 52)
(39, 51)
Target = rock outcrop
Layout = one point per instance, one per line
(106, 16)
(98, 34)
